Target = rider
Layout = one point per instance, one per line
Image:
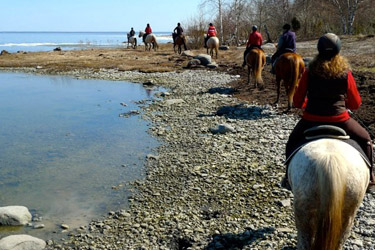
(325, 92)
(132, 32)
(287, 43)
(178, 32)
(210, 33)
(148, 31)
(255, 41)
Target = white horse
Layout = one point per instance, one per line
(132, 40)
(150, 41)
(213, 44)
(328, 179)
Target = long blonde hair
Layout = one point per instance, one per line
(336, 67)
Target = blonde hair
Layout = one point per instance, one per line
(336, 67)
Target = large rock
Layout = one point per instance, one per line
(205, 59)
(269, 46)
(193, 62)
(14, 216)
(21, 242)
(224, 47)
(188, 53)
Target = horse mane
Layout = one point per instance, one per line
(332, 193)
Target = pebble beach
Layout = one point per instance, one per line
(215, 181)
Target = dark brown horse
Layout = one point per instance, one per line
(179, 41)
(255, 61)
(289, 68)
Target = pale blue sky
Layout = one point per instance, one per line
(94, 15)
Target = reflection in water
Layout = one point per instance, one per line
(63, 144)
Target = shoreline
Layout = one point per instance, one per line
(205, 190)
(202, 190)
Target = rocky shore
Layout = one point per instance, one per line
(214, 183)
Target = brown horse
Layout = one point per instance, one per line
(289, 68)
(179, 41)
(255, 61)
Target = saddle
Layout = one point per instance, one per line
(328, 131)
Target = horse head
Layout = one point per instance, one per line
(141, 33)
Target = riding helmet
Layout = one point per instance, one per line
(286, 26)
(254, 28)
(211, 24)
(329, 45)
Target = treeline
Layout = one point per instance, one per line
(309, 18)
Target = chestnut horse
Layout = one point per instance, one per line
(150, 41)
(255, 61)
(289, 68)
(213, 44)
(328, 178)
(179, 42)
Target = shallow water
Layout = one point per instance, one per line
(47, 41)
(63, 146)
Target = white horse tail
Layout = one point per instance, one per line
(156, 45)
(332, 187)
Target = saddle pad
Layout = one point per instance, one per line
(351, 142)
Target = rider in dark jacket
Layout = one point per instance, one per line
(132, 32)
(287, 43)
(178, 32)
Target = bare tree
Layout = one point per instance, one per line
(347, 10)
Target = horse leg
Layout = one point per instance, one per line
(179, 49)
(278, 82)
(216, 50)
(248, 74)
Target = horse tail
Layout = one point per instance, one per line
(294, 77)
(258, 71)
(156, 45)
(329, 228)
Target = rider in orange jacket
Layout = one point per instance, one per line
(211, 32)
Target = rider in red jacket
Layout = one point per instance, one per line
(255, 41)
(211, 32)
(325, 93)
(148, 31)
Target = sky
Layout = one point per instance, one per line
(95, 15)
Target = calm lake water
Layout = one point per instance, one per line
(47, 41)
(63, 144)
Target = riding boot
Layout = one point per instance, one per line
(370, 155)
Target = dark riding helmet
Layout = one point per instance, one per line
(254, 28)
(286, 26)
(178, 24)
(211, 24)
(329, 45)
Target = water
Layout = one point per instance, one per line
(63, 144)
(47, 41)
